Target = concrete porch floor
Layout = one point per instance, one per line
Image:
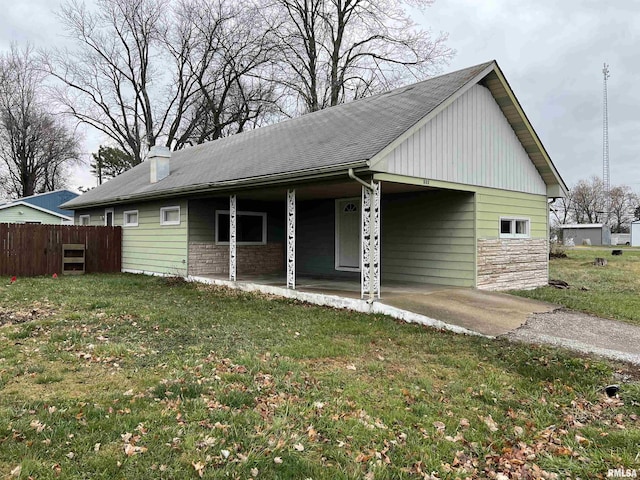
(487, 313)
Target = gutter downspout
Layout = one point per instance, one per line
(368, 186)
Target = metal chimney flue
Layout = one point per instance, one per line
(159, 163)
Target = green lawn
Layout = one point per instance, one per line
(612, 291)
(122, 376)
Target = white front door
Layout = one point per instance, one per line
(348, 234)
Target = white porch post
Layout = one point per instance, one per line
(232, 238)
(291, 238)
(370, 235)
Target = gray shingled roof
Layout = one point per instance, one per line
(347, 134)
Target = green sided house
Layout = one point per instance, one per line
(442, 182)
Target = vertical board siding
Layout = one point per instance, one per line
(29, 250)
(13, 215)
(429, 238)
(470, 142)
(149, 247)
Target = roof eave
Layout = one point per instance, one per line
(267, 180)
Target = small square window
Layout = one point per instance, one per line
(514, 228)
(170, 216)
(85, 219)
(131, 218)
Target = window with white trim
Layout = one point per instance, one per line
(130, 218)
(85, 219)
(514, 227)
(170, 215)
(251, 228)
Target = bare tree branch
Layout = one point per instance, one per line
(338, 50)
(35, 145)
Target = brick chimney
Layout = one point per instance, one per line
(160, 163)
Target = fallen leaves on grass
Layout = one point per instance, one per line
(439, 426)
(130, 447)
(37, 425)
(490, 422)
(36, 311)
(199, 468)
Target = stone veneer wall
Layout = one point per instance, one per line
(505, 264)
(207, 258)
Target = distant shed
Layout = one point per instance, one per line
(594, 233)
(635, 233)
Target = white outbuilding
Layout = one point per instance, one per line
(635, 233)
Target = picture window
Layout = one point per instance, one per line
(251, 228)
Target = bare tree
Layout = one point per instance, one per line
(562, 209)
(622, 202)
(333, 51)
(148, 71)
(229, 53)
(35, 145)
(589, 201)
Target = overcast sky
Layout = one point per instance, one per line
(551, 52)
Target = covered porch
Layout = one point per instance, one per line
(360, 235)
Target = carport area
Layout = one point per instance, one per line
(461, 309)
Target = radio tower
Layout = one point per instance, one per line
(605, 139)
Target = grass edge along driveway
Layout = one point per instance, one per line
(612, 291)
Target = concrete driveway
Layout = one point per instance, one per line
(488, 313)
(581, 332)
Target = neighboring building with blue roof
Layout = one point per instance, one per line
(51, 201)
(39, 208)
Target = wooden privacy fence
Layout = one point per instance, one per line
(30, 250)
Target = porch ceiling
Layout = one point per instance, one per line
(322, 190)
